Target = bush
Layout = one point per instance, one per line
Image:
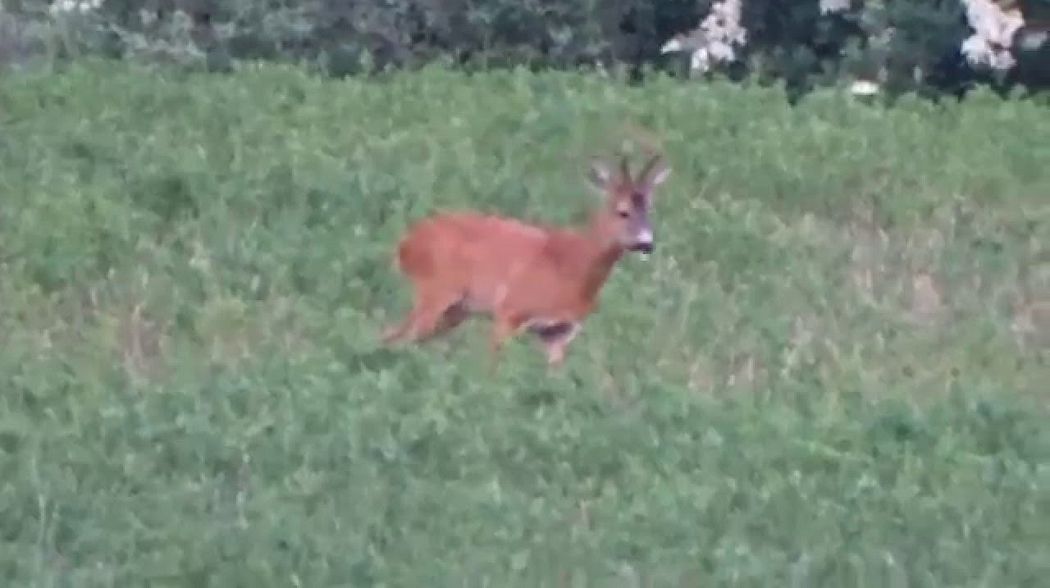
(908, 46)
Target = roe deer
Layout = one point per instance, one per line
(544, 280)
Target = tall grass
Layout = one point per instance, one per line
(832, 372)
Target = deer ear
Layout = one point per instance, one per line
(657, 175)
(600, 175)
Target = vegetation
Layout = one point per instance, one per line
(930, 47)
(832, 372)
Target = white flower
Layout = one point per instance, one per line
(864, 88)
(714, 39)
(73, 6)
(831, 6)
(993, 35)
(1032, 40)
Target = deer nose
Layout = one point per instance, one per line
(644, 242)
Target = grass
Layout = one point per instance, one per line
(832, 372)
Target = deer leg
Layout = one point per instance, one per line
(432, 320)
(400, 332)
(452, 317)
(397, 333)
(556, 339)
(431, 315)
(503, 328)
(556, 353)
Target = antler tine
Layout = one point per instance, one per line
(625, 169)
(644, 174)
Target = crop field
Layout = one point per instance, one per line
(833, 370)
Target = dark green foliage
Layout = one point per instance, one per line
(913, 45)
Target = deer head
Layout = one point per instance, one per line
(624, 217)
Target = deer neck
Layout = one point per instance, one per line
(600, 255)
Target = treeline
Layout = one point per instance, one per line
(904, 45)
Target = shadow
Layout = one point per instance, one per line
(373, 360)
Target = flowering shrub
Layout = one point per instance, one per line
(715, 39)
(992, 28)
(931, 46)
(993, 34)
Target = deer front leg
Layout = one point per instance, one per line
(555, 338)
(503, 327)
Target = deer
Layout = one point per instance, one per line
(540, 279)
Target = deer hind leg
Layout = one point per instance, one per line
(452, 317)
(433, 313)
(399, 332)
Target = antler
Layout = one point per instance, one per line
(644, 174)
(625, 169)
(650, 144)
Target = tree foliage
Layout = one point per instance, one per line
(908, 45)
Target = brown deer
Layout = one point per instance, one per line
(544, 280)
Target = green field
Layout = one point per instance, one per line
(832, 372)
